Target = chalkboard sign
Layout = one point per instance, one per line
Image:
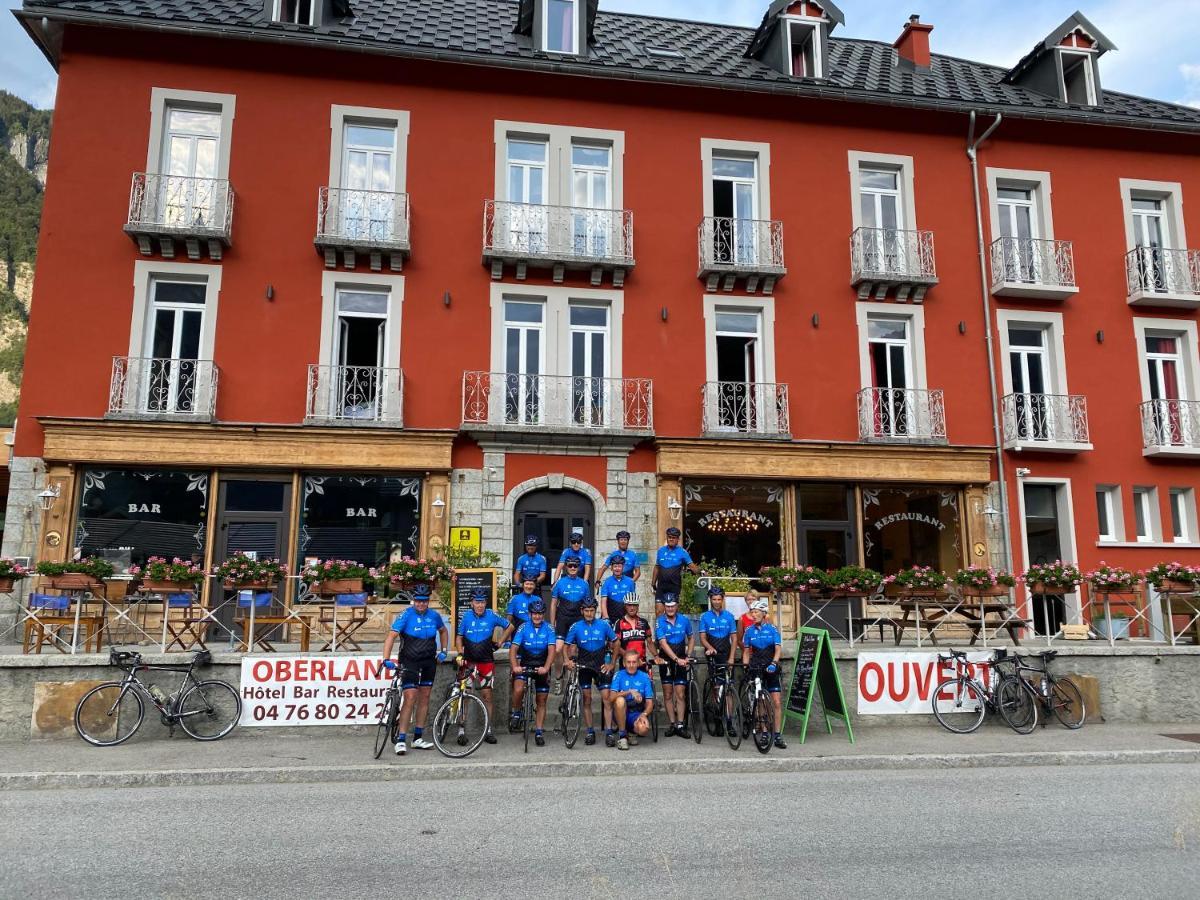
(465, 583)
(816, 671)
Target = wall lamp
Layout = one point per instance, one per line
(674, 508)
(1100, 337)
(439, 507)
(270, 292)
(48, 497)
(446, 299)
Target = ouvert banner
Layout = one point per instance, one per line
(312, 690)
(904, 683)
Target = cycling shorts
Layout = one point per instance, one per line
(672, 673)
(770, 681)
(483, 675)
(541, 683)
(565, 620)
(417, 674)
(586, 677)
(631, 717)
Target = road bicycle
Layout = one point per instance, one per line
(695, 706)
(571, 708)
(529, 702)
(762, 710)
(462, 712)
(722, 711)
(961, 702)
(389, 713)
(111, 713)
(1058, 697)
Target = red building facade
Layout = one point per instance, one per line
(568, 268)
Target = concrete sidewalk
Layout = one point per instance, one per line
(256, 756)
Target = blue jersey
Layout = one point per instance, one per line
(720, 628)
(593, 640)
(518, 606)
(419, 633)
(570, 593)
(478, 634)
(674, 633)
(762, 639)
(583, 554)
(631, 559)
(616, 590)
(639, 681)
(530, 566)
(670, 562)
(534, 643)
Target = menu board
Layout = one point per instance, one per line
(815, 671)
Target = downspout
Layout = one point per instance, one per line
(989, 339)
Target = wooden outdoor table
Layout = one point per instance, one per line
(931, 613)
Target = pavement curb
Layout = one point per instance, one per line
(624, 767)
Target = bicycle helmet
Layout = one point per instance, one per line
(531, 540)
(716, 591)
(623, 534)
(631, 600)
(480, 595)
(673, 532)
(537, 606)
(422, 592)
(670, 600)
(589, 603)
(761, 605)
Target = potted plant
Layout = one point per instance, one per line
(1174, 577)
(791, 579)
(10, 573)
(174, 577)
(980, 581)
(854, 580)
(1106, 579)
(402, 574)
(1057, 577)
(918, 580)
(329, 577)
(80, 574)
(243, 571)
(693, 598)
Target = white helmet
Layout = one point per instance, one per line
(761, 605)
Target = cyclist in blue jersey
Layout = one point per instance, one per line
(530, 563)
(633, 569)
(669, 563)
(762, 648)
(586, 645)
(718, 629)
(632, 695)
(676, 640)
(530, 657)
(575, 550)
(419, 629)
(476, 641)
(614, 589)
(565, 599)
(518, 607)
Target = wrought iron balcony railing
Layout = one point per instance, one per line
(553, 402)
(741, 248)
(151, 388)
(371, 222)
(557, 237)
(355, 395)
(1163, 277)
(902, 416)
(884, 258)
(167, 208)
(1033, 268)
(1049, 420)
(741, 408)
(1171, 427)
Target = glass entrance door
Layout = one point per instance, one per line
(368, 183)
(735, 209)
(188, 194)
(1018, 227)
(1149, 233)
(1044, 542)
(253, 514)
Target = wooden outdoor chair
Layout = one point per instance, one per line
(49, 615)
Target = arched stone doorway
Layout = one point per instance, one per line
(552, 516)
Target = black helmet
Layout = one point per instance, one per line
(531, 540)
(716, 591)
(537, 606)
(589, 603)
(622, 534)
(673, 532)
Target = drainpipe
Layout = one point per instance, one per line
(973, 155)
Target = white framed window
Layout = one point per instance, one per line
(1167, 359)
(1153, 215)
(361, 317)
(804, 51)
(891, 346)
(1145, 515)
(190, 137)
(559, 165)
(1032, 345)
(1021, 204)
(1110, 525)
(560, 26)
(1078, 76)
(1183, 515)
(741, 395)
(293, 12)
(882, 191)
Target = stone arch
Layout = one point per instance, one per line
(501, 542)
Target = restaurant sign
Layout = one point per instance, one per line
(312, 690)
(903, 683)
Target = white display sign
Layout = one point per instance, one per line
(312, 690)
(903, 683)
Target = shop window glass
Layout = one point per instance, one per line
(129, 515)
(733, 523)
(823, 502)
(254, 496)
(905, 527)
(362, 518)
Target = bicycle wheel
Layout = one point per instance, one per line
(107, 715)
(386, 728)
(1067, 703)
(695, 711)
(209, 710)
(964, 709)
(764, 723)
(732, 719)
(459, 726)
(572, 712)
(712, 708)
(1018, 705)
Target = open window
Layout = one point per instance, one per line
(294, 12)
(804, 49)
(1078, 79)
(793, 34)
(1065, 64)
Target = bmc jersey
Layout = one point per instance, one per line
(583, 554)
(762, 639)
(530, 566)
(570, 593)
(720, 628)
(616, 590)
(674, 633)
(639, 681)
(518, 606)
(478, 634)
(670, 562)
(534, 643)
(631, 559)
(593, 639)
(633, 635)
(419, 633)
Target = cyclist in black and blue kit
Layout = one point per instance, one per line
(613, 591)
(675, 639)
(718, 630)
(565, 599)
(633, 569)
(419, 627)
(669, 563)
(591, 638)
(518, 607)
(530, 656)
(762, 648)
(575, 550)
(530, 563)
(476, 641)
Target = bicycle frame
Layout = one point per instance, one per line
(132, 682)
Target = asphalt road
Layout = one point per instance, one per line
(1096, 832)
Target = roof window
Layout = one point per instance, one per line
(293, 12)
(792, 36)
(1078, 81)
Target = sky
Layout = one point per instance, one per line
(1158, 55)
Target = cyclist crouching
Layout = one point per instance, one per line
(591, 638)
(632, 695)
(530, 658)
(476, 641)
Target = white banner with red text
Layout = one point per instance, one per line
(312, 690)
(892, 684)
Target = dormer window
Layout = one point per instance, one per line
(1078, 81)
(804, 49)
(557, 26)
(561, 26)
(293, 12)
(1065, 65)
(793, 34)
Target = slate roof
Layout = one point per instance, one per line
(482, 32)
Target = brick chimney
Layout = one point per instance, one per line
(913, 43)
